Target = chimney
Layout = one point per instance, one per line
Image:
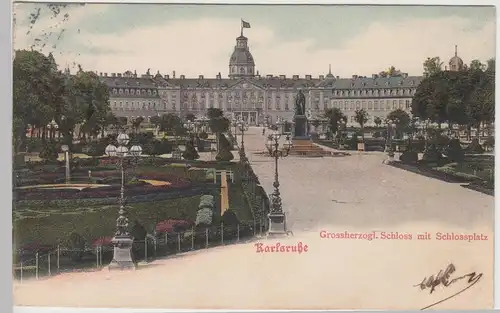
(100, 74)
(183, 77)
(295, 77)
(166, 77)
(113, 74)
(354, 76)
(258, 74)
(119, 74)
(321, 77)
(135, 74)
(269, 76)
(105, 74)
(282, 77)
(173, 74)
(405, 75)
(218, 76)
(200, 77)
(308, 77)
(338, 77)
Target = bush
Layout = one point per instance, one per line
(49, 152)
(190, 153)
(76, 245)
(204, 217)
(224, 155)
(409, 157)
(138, 231)
(230, 218)
(454, 151)
(96, 149)
(475, 147)
(432, 155)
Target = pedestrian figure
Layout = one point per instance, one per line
(263, 131)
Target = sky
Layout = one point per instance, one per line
(284, 40)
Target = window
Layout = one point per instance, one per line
(351, 105)
(120, 91)
(375, 104)
(154, 92)
(325, 105)
(394, 104)
(126, 105)
(401, 104)
(407, 104)
(242, 70)
(126, 92)
(388, 105)
(121, 105)
(335, 104)
(114, 91)
(346, 105)
(353, 119)
(358, 103)
(149, 92)
(363, 104)
(370, 105)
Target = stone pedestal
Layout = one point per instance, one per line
(300, 127)
(277, 224)
(122, 254)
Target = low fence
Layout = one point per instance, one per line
(63, 259)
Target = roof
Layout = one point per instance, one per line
(267, 82)
(128, 82)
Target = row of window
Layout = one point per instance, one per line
(134, 92)
(372, 105)
(374, 92)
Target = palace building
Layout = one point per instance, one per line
(259, 98)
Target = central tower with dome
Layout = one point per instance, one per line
(241, 63)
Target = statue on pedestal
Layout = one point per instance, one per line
(300, 120)
(300, 103)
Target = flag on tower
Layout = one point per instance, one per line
(245, 24)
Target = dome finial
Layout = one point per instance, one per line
(456, 50)
(329, 69)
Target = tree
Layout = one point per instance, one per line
(432, 66)
(378, 121)
(122, 122)
(390, 72)
(361, 117)
(333, 117)
(190, 153)
(401, 119)
(476, 65)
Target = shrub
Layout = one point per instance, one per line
(96, 149)
(49, 152)
(432, 155)
(76, 245)
(206, 201)
(454, 151)
(190, 153)
(230, 218)
(224, 155)
(409, 157)
(138, 231)
(475, 147)
(204, 217)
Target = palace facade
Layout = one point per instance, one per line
(258, 98)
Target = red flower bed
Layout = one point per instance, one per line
(170, 226)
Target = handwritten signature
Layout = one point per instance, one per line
(444, 279)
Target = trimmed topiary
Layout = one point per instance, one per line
(475, 147)
(224, 155)
(454, 151)
(190, 153)
(409, 157)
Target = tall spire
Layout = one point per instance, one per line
(456, 52)
(329, 69)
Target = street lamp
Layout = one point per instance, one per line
(279, 124)
(65, 149)
(277, 218)
(391, 125)
(122, 241)
(243, 126)
(52, 126)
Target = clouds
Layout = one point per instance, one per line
(204, 43)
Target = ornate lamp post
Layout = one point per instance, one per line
(279, 124)
(391, 125)
(122, 241)
(65, 149)
(243, 126)
(234, 123)
(52, 127)
(277, 218)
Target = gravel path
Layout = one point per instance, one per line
(355, 194)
